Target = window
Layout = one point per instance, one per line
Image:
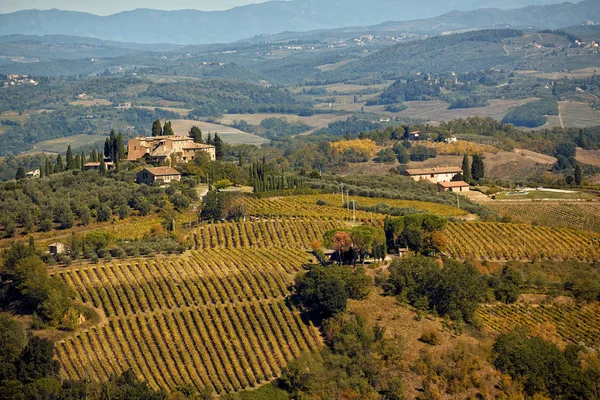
(433, 175)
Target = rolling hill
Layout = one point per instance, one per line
(198, 27)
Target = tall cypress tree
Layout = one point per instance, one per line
(60, 167)
(477, 168)
(48, 167)
(78, 162)
(218, 143)
(20, 173)
(120, 147)
(167, 130)
(466, 169)
(107, 148)
(156, 128)
(578, 175)
(70, 159)
(94, 156)
(209, 139)
(102, 167)
(83, 161)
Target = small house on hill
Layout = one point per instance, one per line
(58, 248)
(165, 175)
(459, 186)
(434, 175)
(95, 166)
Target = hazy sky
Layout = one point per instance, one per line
(105, 7)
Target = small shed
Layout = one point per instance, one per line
(58, 248)
(459, 186)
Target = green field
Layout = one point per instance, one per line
(60, 145)
(544, 194)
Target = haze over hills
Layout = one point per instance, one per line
(198, 27)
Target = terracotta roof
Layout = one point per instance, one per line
(453, 184)
(163, 171)
(198, 146)
(97, 164)
(429, 171)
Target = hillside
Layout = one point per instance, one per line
(196, 27)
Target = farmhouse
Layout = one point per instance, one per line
(161, 174)
(33, 174)
(161, 148)
(459, 186)
(434, 175)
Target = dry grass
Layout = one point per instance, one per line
(60, 145)
(228, 134)
(591, 157)
(91, 103)
(333, 67)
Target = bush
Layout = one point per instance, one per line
(431, 337)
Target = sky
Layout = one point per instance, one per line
(106, 7)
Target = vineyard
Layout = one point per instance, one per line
(495, 241)
(280, 232)
(575, 323)
(584, 216)
(214, 319)
(306, 206)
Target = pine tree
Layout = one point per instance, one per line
(477, 168)
(218, 143)
(70, 159)
(578, 175)
(60, 167)
(156, 128)
(466, 169)
(168, 131)
(120, 147)
(20, 173)
(196, 134)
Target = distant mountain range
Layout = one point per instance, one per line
(199, 27)
(541, 17)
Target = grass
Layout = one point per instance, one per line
(60, 145)
(181, 111)
(333, 67)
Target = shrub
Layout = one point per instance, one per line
(431, 337)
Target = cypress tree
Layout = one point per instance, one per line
(466, 169)
(60, 167)
(113, 146)
(218, 143)
(477, 168)
(107, 148)
(102, 168)
(168, 131)
(83, 161)
(48, 167)
(120, 147)
(70, 159)
(209, 139)
(156, 128)
(94, 156)
(20, 173)
(578, 175)
(78, 162)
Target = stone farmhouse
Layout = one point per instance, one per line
(161, 174)
(160, 149)
(434, 175)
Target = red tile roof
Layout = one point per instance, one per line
(429, 171)
(163, 171)
(448, 185)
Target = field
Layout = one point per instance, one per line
(576, 215)
(91, 103)
(215, 319)
(591, 157)
(181, 111)
(60, 145)
(317, 121)
(306, 206)
(228, 134)
(496, 241)
(438, 110)
(571, 322)
(545, 194)
(280, 233)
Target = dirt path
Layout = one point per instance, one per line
(560, 117)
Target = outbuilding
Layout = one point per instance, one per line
(459, 186)
(161, 174)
